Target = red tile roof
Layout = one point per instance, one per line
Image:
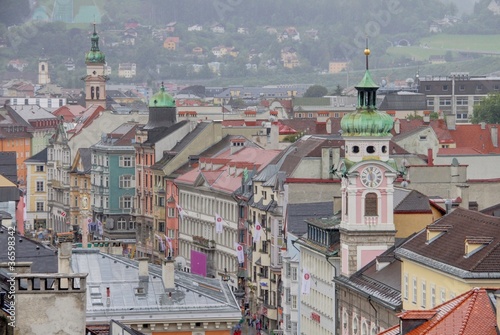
(221, 176)
(476, 136)
(87, 117)
(471, 313)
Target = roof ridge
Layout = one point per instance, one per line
(466, 318)
(449, 312)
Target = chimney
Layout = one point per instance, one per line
(108, 297)
(494, 136)
(167, 274)
(64, 258)
(451, 121)
(64, 262)
(143, 268)
(397, 126)
(237, 144)
(430, 157)
(427, 116)
(463, 191)
(483, 125)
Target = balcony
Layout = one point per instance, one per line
(371, 220)
(204, 243)
(56, 184)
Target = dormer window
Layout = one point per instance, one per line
(435, 232)
(475, 243)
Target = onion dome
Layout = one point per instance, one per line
(95, 55)
(367, 120)
(162, 99)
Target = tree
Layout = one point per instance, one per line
(338, 90)
(316, 91)
(489, 109)
(14, 11)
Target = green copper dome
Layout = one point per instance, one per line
(162, 99)
(367, 120)
(95, 55)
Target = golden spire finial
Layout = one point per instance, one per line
(367, 53)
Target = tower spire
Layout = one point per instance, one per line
(367, 53)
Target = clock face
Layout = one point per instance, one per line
(371, 176)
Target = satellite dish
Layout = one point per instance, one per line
(180, 263)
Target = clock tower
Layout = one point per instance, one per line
(368, 175)
(95, 79)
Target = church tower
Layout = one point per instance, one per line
(368, 174)
(162, 110)
(43, 71)
(95, 79)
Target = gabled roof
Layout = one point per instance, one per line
(309, 146)
(439, 126)
(156, 134)
(87, 117)
(29, 112)
(69, 112)
(40, 157)
(446, 253)
(470, 313)
(223, 171)
(306, 125)
(85, 156)
(414, 202)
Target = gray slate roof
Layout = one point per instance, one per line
(382, 285)
(8, 165)
(44, 259)
(298, 213)
(192, 295)
(404, 101)
(40, 157)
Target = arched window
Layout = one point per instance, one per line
(355, 325)
(371, 200)
(355, 149)
(43, 67)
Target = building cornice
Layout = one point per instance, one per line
(443, 267)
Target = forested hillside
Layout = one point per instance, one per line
(342, 27)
